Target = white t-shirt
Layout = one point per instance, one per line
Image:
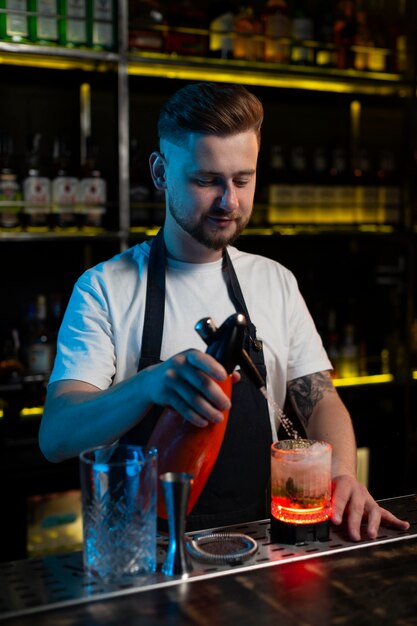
(100, 338)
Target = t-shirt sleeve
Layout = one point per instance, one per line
(306, 352)
(85, 345)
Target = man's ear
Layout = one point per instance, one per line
(157, 167)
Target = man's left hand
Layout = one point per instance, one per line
(352, 503)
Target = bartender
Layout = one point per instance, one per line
(127, 345)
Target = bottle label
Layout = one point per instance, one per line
(92, 192)
(17, 25)
(36, 192)
(10, 201)
(64, 192)
(102, 24)
(47, 24)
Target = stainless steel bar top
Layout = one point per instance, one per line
(56, 581)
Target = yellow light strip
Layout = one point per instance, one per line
(414, 374)
(56, 62)
(267, 75)
(34, 411)
(363, 380)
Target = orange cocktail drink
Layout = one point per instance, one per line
(301, 481)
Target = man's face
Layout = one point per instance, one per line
(210, 186)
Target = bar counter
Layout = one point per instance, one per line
(369, 582)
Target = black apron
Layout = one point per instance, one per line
(237, 489)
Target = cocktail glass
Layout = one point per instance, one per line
(301, 481)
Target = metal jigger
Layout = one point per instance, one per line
(176, 486)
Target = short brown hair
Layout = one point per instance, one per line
(210, 109)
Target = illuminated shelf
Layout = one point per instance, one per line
(159, 65)
(57, 57)
(96, 234)
(355, 381)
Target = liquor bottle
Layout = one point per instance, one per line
(147, 26)
(389, 188)
(322, 196)
(362, 40)
(73, 23)
(92, 195)
(349, 354)
(277, 27)
(340, 186)
(325, 54)
(302, 33)
(101, 24)
(14, 24)
(280, 191)
(64, 186)
(378, 39)
(344, 33)
(43, 23)
(187, 29)
(303, 191)
(11, 366)
(366, 190)
(247, 44)
(140, 187)
(10, 194)
(36, 188)
(221, 24)
(332, 343)
(39, 348)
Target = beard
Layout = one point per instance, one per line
(212, 238)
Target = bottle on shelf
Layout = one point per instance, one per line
(365, 190)
(248, 44)
(92, 195)
(36, 188)
(344, 33)
(322, 196)
(14, 24)
(303, 191)
(277, 30)
(332, 343)
(349, 354)
(325, 54)
(302, 50)
(362, 39)
(73, 23)
(102, 24)
(11, 366)
(221, 24)
(147, 26)
(280, 190)
(389, 188)
(187, 29)
(140, 187)
(64, 186)
(10, 193)
(43, 23)
(40, 350)
(340, 188)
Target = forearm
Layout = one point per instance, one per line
(79, 416)
(330, 421)
(325, 417)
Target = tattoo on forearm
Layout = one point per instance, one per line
(307, 391)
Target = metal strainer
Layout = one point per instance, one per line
(222, 548)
